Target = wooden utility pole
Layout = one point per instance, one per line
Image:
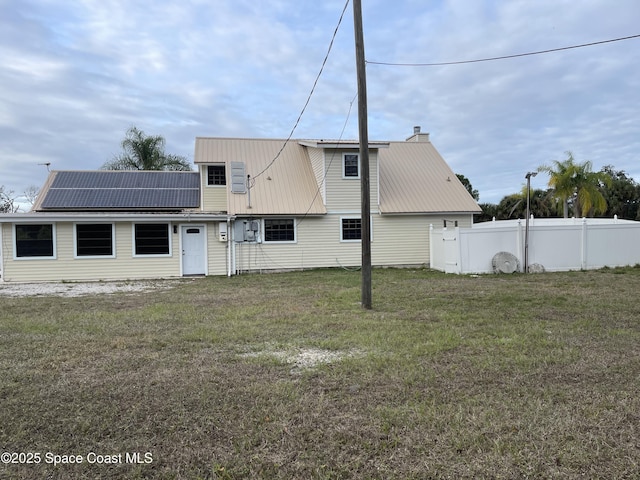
(365, 211)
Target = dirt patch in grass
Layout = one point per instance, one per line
(80, 289)
(301, 359)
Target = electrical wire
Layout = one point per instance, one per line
(313, 88)
(333, 155)
(505, 57)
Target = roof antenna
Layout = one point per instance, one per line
(47, 164)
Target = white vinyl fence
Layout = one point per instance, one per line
(554, 245)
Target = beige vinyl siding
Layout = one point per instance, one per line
(397, 240)
(70, 268)
(214, 197)
(316, 157)
(344, 194)
(217, 253)
(318, 245)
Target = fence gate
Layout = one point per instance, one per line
(451, 248)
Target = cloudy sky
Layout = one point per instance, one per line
(75, 75)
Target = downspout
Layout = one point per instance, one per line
(229, 246)
(2, 272)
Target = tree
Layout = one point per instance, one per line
(467, 184)
(31, 194)
(577, 184)
(622, 194)
(142, 152)
(7, 201)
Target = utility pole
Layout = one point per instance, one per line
(365, 210)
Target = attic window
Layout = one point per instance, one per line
(350, 165)
(216, 175)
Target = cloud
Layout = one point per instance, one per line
(76, 76)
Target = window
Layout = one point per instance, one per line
(351, 229)
(279, 230)
(151, 239)
(94, 240)
(216, 175)
(34, 240)
(350, 165)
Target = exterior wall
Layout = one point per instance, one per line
(217, 251)
(67, 267)
(316, 157)
(343, 194)
(396, 240)
(214, 197)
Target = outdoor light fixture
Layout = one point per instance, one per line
(526, 222)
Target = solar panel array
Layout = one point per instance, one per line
(122, 190)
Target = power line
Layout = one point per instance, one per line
(333, 155)
(540, 52)
(313, 88)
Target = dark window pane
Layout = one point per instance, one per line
(94, 240)
(34, 240)
(280, 230)
(152, 239)
(351, 229)
(351, 165)
(216, 175)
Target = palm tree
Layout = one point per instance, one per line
(142, 152)
(576, 182)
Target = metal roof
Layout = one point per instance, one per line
(119, 190)
(414, 178)
(282, 180)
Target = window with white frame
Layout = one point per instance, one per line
(351, 229)
(35, 240)
(350, 165)
(94, 240)
(216, 175)
(279, 230)
(151, 239)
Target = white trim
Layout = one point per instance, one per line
(156, 255)
(206, 174)
(347, 217)
(344, 177)
(75, 241)
(54, 235)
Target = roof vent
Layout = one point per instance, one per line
(416, 130)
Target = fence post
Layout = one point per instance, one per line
(431, 245)
(519, 243)
(583, 246)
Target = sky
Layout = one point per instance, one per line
(75, 75)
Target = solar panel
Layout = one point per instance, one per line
(122, 190)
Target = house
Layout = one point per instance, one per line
(252, 205)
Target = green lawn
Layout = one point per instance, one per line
(286, 376)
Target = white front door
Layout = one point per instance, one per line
(193, 251)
